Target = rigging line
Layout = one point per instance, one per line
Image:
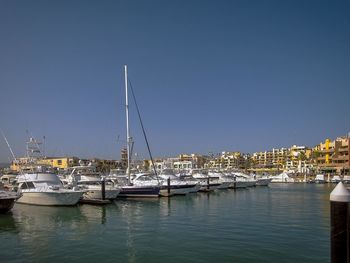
(8, 145)
(143, 130)
(14, 157)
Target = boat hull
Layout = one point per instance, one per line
(51, 198)
(6, 204)
(207, 188)
(177, 189)
(7, 200)
(263, 182)
(139, 192)
(224, 185)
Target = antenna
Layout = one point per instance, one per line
(44, 138)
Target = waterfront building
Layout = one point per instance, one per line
(60, 162)
(296, 159)
(182, 165)
(332, 157)
(197, 160)
(270, 161)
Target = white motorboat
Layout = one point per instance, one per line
(319, 179)
(42, 187)
(87, 179)
(282, 178)
(207, 183)
(263, 180)
(174, 185)
(336, 179)
(346, 179)
(224, 180)
(243, 180)
(142, 185)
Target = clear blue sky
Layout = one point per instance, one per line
(210, 76)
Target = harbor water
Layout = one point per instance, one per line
(279, 223)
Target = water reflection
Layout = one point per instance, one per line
(7, 223)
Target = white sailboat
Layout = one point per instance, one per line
(134, 188)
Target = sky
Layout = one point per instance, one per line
(209, 76)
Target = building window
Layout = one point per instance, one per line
(59, 162)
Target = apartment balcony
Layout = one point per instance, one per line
(326, 151)
(321, 165)
(341, 157)
(323, 158)
(343, 149)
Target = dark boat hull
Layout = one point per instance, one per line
(6, 204)
(139, 192)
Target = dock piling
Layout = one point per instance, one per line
(168, 181)
(340, 224)
(103, 188)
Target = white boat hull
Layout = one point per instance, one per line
(179, 190)
(50, 198)
(263, 182)
(224, 185)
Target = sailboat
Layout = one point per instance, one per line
(138, 187)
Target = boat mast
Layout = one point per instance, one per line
(128, 138)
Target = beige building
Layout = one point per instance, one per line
(333, 156)
(296, 158)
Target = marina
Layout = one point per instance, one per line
(175, 131)
(259, 224)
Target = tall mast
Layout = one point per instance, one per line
(128, 138)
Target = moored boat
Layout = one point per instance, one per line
(7, 200)
(174, 185)
(282, 178)
(86, 178)
(45, 188)
(319, 179)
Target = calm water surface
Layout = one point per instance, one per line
(279, 223)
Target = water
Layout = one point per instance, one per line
(280, 223)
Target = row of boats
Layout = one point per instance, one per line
(42, 186)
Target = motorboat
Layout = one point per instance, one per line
(319, 179)
(282, 178)
(9, 182)
(175, 185)
(89, 180)
(336, 179)
(40, 186)
(243, 180)
(207, 183)
(346, 179)
(7, 199)
(263, 180)
(141, 185)
(225, 181)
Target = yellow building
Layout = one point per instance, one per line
(60, 162)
